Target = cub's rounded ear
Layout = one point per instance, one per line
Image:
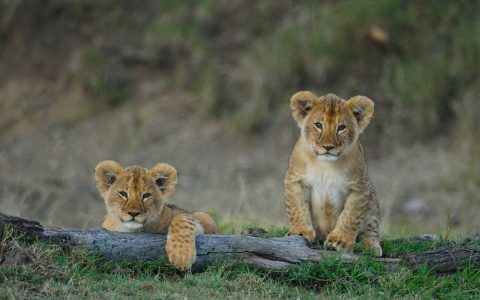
(301, 104)
(362, 109)
(165, 177)
(106, 173)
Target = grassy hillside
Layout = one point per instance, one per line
(250, 58)
(418, 59)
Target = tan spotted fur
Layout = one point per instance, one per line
(328, 193)
(135, 200)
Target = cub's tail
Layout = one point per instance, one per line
(208, 223)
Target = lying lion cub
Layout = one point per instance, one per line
(135, 198)
(327, 189)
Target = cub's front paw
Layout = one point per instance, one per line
(306, 232)
(339, 241)
(181, 255)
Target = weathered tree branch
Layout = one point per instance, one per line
(273, 254)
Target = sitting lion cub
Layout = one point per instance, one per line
(327, 189)
(135, 198)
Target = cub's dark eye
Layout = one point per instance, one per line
(319, 125)
(146, 195)
(341, 127)
(123, 194)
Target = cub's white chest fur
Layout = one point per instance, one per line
(327, 183)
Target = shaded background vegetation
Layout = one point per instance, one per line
(204, 85)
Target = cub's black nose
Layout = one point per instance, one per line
(133, 213)
(328, 147)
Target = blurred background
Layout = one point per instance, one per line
(205, 86)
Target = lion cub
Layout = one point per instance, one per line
(135, 198)
(327, 190)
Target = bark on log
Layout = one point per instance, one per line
(276, 254)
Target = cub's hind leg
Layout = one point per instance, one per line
(181, 241)
(371, 242)
(368, 235)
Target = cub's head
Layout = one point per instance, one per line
(134, 194)
(329, 123)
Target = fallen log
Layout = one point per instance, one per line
(275, 254)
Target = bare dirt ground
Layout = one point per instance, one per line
(46, 165)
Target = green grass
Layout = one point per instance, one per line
(393, 248)
(54, 272)
(259, 231)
